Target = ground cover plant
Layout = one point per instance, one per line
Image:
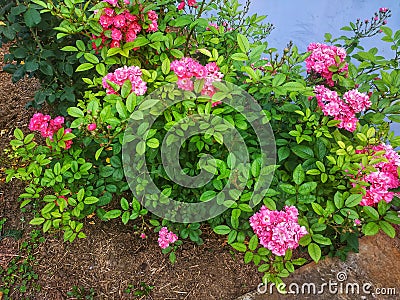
(136, 79)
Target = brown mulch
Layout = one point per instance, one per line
(112, 257)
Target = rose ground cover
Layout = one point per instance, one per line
(334, 177)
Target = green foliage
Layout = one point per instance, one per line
(315, 163)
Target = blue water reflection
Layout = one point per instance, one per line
(308, 20)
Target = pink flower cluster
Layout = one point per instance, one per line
(344, 110)
(48, 127)
(166, 237)
(278, 230)
(189, 3)
(120, 75)
(187, 68)
(124, 27)
(216, 26)
(322, 57)
(384, 178)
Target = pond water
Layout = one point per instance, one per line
(305, 21)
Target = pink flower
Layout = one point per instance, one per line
(116, 34)
(119, 21)
(109, 12)
(115, 44)
(112, 2)
(322, 57)
(105, 21)
(127, 1)
(357, 222)
(92, 127)
(384, 178)
(383, 9)
(181, 5)
(143, 236)
(68, 143)
(278, 231)
(332, 105)
(120, 75)
(165, 238)
(191, 2)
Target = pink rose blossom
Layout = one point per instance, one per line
(278, 231)
(120, 75)
(322, 57)
(181, 5)
(165, 238)
(92, 127)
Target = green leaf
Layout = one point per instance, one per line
(32, 17)
(239, 247)
(243, 42)
(370, 228)
(166, 66)
(353, 200)
(91, 58)
(37, 221)
(371, 212)
(338, 199)
(112, 214)
(90, 200)
(235, 217)
(239, 57)
(278, 79)
(222, 229)
(75, 112)
(207, 195)
(287, 188)
(387, 228)
(315, 252)
(253, 243)
(303, 151)
(19, 135)
(294, 86)
(248, 257)
(124, 204)
(307, 188)
(98, 152)
(84, 67)
(153, 143)
(298, 175)
(320, 239)
(69, 48)
(318, 208)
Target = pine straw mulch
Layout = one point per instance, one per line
(112, 257)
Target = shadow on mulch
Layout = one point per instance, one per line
(112, 257)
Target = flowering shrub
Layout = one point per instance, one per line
(333, 179)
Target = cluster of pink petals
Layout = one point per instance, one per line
(120, 75)
(278, 231)
(383, 9)
(384, 178)
(165, 238)
(322, 57)
(182, 4)
(344, 110)
(48, 127)
(187, 68)
(216, 26)
(124, 27)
